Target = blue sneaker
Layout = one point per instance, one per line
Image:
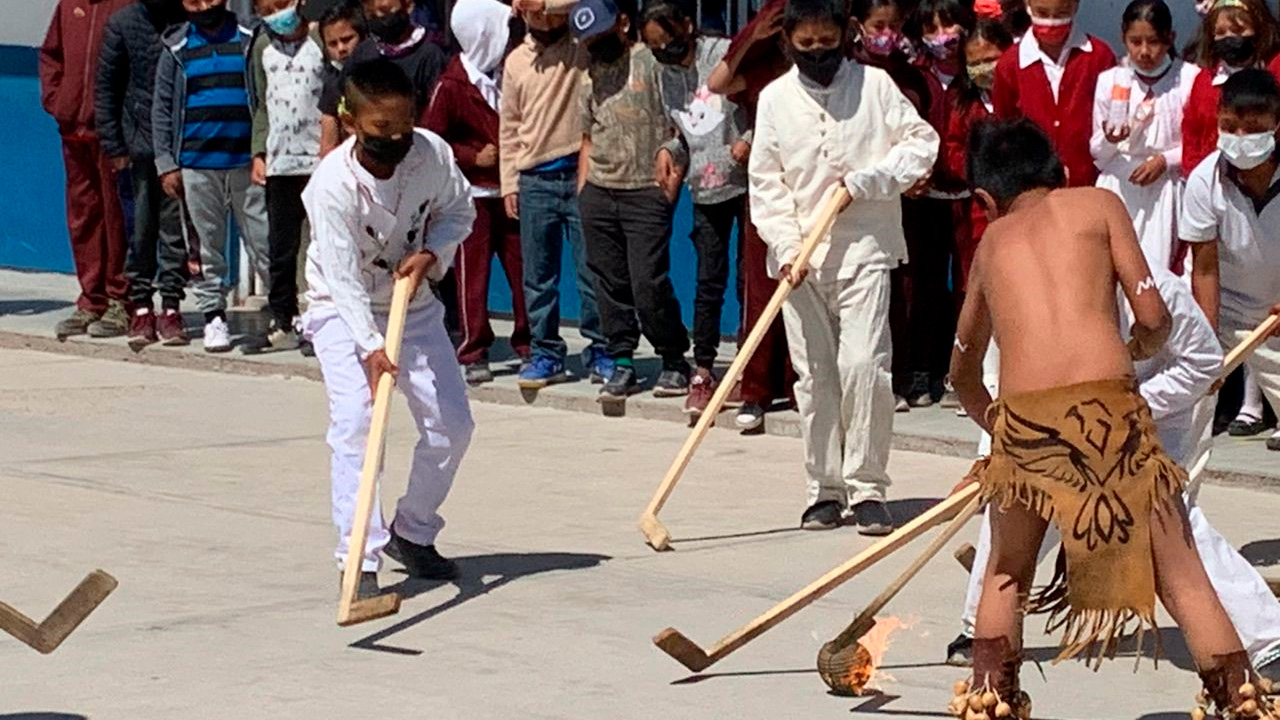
(599, 365)
(541, 372)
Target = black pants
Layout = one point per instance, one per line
(285, 215)
(712, 227)
(157, 256)
(628, 239)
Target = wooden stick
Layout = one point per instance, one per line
(866, 619)
(965, 555)
(655, 532)
(1239, 353)
(65, 618)
(350, 609)
(687, 653)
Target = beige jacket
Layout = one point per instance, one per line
(540, 118)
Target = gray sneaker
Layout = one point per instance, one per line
(77, 324)
(478, 373)
(113, 323)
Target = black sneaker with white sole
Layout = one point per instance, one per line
(672, 383)
(622, 383)
(421, 561)
(825, 515)
(960, 651)
(872, 517)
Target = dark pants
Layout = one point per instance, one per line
(921, 306)
(157, 259)
(628, 237)
(285, 216)
(768, 375)
(95, 224)
(493, 234)
(548, 219)
(712, 228)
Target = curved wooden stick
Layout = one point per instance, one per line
(655, 532)
(46, 636)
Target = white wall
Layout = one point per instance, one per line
(25, 21)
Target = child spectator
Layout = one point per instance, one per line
(389, 203)
(540, 127)
(1049, 77)
(341, 30)
(287, 65)
(1230, 214)
(95, 220)
(714, 145)
(626, 214)
(157, 256)
(1236, 34)
(202, 126)
(828, 122)
(464, 111)
(1139, 159)
(941, 27)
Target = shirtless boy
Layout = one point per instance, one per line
(1072, 440)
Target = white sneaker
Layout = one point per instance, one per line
(900, 404)
(750, 417)
(217, 336)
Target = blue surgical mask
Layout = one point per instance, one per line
(284, 23)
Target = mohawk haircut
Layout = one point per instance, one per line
(373, 80)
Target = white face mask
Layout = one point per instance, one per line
(1157, 71)
(1247, 151)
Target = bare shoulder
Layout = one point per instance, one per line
(1094, 199)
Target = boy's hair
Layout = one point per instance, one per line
(375, 79)
(820, 11)
(949, 12)
(1258, 16)
(1251, 92)
(1010, 157)
(347, 11)
(668, 14)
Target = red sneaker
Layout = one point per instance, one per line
(142, 329)
(169, 326)
(701, 388)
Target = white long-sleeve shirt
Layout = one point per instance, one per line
(861, 131)
(362, 227)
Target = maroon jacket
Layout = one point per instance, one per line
(69, 62)
(459, 114)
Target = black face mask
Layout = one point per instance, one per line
(209, 19)
(389, 28)
(1234, 50)
(674, 53)
(388, 152)
(819, 66)
(546, 38)
(607, 49)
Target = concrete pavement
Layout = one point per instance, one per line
(207, 495)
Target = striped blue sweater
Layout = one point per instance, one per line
(217, 123)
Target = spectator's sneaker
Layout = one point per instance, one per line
(541, 372)
(960, 651)
(872, 518)
(478, 373)
(77, 324)
(278, 339)
(1246, 426)
(306, 348)
(701, 388)
(113, 323)
(950, 400)
(599, 365)
(621, 383)
(170, 328)
(421, 561)
(366, 588)
(217, 336)
(918, 395)
(750, 416)
(1273, 442)
(672, 383)
(142, 329)
(900, 404)
(821, 516)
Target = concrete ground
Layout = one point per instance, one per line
(206, 494)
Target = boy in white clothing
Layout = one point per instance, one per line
(828, 122)
(389, 202)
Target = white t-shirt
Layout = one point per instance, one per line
(1214, 208)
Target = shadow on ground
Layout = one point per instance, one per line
(1172, 645)
(1262, 553)
(42, 716)
(31, 307)
(503, 567)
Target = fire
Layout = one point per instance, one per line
(851, 670)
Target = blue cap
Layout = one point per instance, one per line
(590, 18)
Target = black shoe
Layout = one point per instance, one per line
(366, 588)
(672, 383)
(872, 518)
(422, 561)
(824, 515)
(621, 383)
(306, 348)
(1246, 428)
(919, 395)
(1273, 442)
(960, 651)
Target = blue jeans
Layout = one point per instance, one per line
(548, 218)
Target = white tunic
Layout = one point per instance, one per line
(362, 227)
(1155, 122)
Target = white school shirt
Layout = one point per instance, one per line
(1176, 378)
(1029, 53)
(1214, 208)
(362, 227)
(865, 134)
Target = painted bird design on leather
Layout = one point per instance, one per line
(1103, 442)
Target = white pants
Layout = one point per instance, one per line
(838, 332)
(432, 383)
(211, 196)
(1263, 363)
